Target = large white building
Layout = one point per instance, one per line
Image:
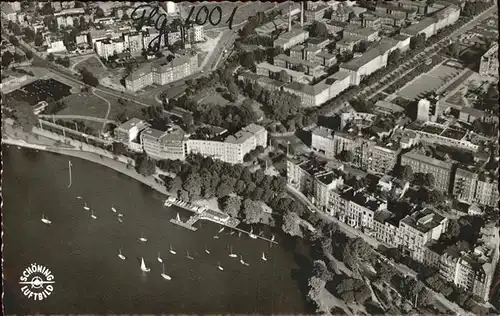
(489, 62)
(108, 47)
(128, 133)
(174, 144)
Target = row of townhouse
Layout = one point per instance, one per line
(470, 184)
(414, 232)
(174, 144)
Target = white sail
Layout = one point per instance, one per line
(142, 238)
(120, 255)
(207, 251)
(264, 257)
(160, 260)
(85, 207)
(220, 267)
(172, 251)
(92, 215)
(113, 209)
(143, 266)
(45, 220)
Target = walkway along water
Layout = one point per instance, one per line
(121, 164)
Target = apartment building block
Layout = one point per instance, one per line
(441, 170)
(292, 38)
(170, 144)
(322, 141)
(162, 72)
(474, 185)
(128, 133)
(489, 62)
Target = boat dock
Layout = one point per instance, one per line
(209, 215)
(187, 224)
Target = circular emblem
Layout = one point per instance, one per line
(36, 282)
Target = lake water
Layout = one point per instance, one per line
(82, 252)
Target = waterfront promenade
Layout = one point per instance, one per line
(48, 141)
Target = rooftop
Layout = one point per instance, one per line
(323, 132)
(297, 60)
(429, 160)
(133, 122)
(153, 133)
(424, 220)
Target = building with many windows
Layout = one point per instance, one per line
(128, 133)
(441, 170)
(162, 72)
(489, 62)
(476, 185)
(291, 38)
(170, 144)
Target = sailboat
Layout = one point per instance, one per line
(45, 220)
(120, 219)
(85, 207)
(188, 256)
(113, 209)
(172, 251)
(251, 235)
(120, 215)
(164, 275)
(160, 260)
(79, 197)
(92, 215)
(220, 267)
(216, 237)
(143, 266)
(231, 254)
(142, 238)
(221, 230)
(264, 257)
(120, 254)
(241, 260)
(207, 251)
(272, 238)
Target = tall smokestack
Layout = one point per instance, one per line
(290, 17)
(302, 13)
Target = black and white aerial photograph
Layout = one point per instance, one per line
(250, 157)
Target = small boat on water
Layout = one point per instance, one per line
(142, 238)
(272, 238)
(120, 254)
(241, 260)
(120, 219)
(92, 215)
(232, 232)
(45, 220)
(160, 260)
(264, 257)
(221, 230)
(85, 207)
(216, 237)
(207, 251)
(220, 267)
(113, 209)
(231, 254)
(79, 197)
(120, 214)
(188, 256)
(18, 147)
(251, 235)
(164, 275)
(143, 266)
(172, 251)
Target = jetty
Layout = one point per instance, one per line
(202, 213)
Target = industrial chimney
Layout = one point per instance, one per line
(290, 17)
(302, 13)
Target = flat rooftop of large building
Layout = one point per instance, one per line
(133, 122)
(424, 220)
(429, 160)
